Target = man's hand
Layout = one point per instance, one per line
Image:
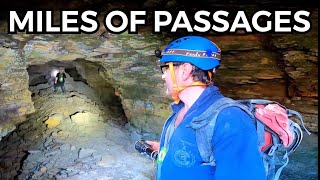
(154, 144)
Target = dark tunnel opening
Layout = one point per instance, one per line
(75, 75)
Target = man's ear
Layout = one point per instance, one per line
(186, 71)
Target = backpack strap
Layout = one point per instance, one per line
(299, 136)
(250, 104)
(292, 112)
(270, 162)
(204, 127)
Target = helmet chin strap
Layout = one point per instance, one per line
(177, 89)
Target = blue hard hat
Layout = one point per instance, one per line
(196, 50)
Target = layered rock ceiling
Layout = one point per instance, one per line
(281, 67)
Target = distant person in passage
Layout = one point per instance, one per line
(60, 80)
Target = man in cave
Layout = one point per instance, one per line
(59, 80)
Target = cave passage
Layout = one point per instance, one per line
(82, 133)
(83, 77)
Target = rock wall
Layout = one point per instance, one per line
(15, 98)
(282, 68)
(277, 67)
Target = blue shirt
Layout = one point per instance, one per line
(235, 145)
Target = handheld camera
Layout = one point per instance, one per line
(145, 149)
